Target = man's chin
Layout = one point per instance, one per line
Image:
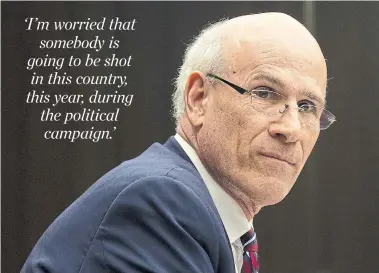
(272, 191)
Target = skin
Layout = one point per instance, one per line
(254, 157)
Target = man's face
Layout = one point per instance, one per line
(256, 155)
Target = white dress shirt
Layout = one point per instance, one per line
(232, 216)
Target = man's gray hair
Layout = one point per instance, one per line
(204, 53)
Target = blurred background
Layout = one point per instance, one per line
(328, 223)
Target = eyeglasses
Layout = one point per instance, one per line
(272, 103)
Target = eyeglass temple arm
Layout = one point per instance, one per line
(236, 87)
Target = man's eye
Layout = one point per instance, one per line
(263, 93)
(307, 106)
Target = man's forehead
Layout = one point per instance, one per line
(285, 67)
(278, 49)
(279, 64)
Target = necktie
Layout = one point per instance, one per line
(250, 254)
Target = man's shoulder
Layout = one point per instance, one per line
(156, 188)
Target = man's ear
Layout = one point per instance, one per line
(196, 98)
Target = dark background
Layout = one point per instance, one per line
(330, 220)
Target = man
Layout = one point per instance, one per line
(249, 106)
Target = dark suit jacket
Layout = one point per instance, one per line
(150, 214)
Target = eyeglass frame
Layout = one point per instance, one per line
(331, 117)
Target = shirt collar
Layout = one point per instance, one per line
(232, 216)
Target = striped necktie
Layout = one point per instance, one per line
(250, 254)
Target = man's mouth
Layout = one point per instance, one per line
(277, 156)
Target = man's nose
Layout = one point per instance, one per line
(287, 126)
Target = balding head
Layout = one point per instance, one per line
(253, 144)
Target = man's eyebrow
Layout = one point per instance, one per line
(270, 79)
(312, 96)
(273, 80)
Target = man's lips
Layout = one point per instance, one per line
(284, 158)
